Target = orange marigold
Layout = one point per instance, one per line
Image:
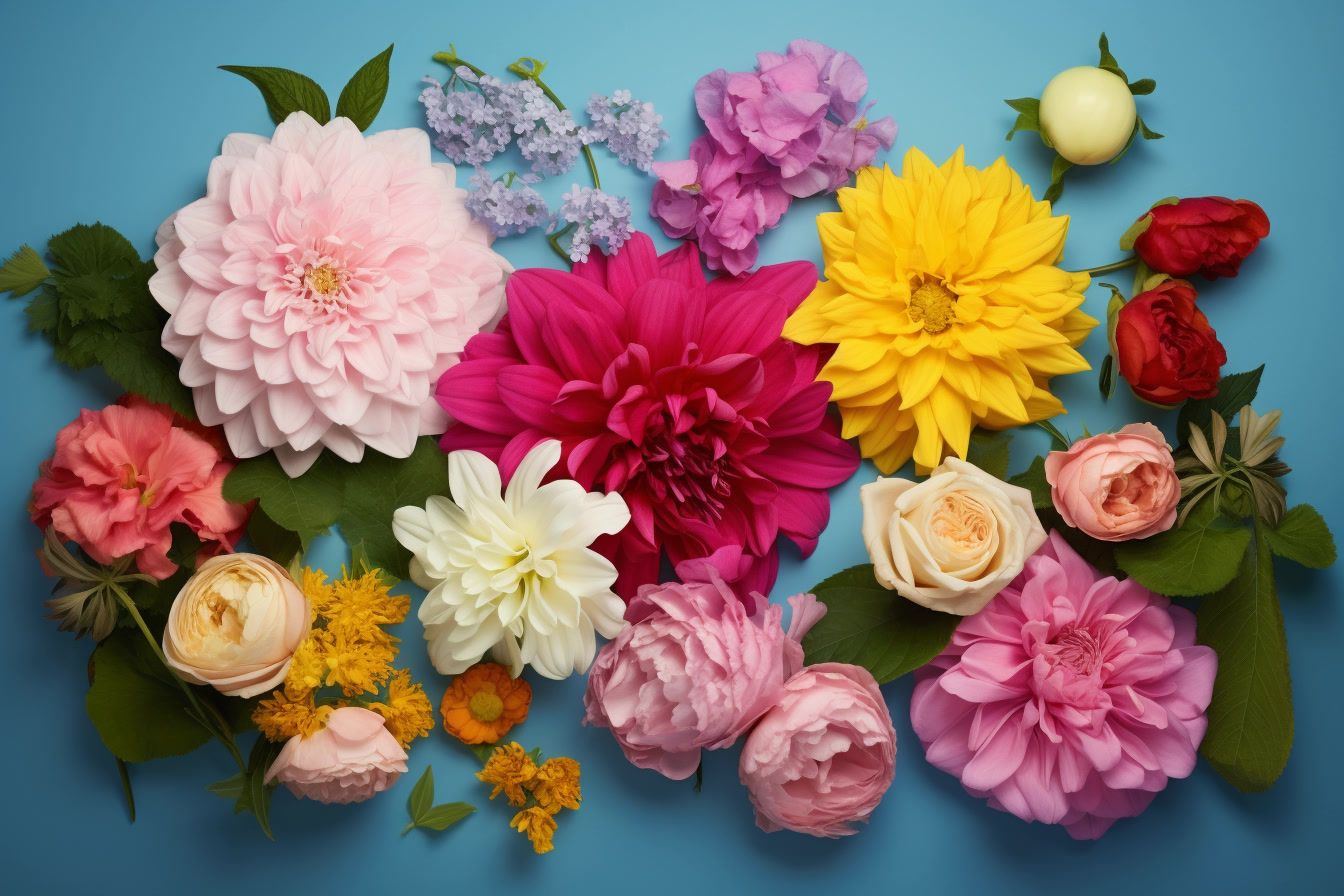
(557, 785)
(538, 825)
(484, 703)
(511, 771)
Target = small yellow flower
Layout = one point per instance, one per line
(287, 714)
(511, 771)
(407, 712)
(538, 825)
(946, 305)
(557, 785)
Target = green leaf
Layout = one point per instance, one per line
(363, 96)
(44, 313)
(423, 812)
(139, 712)
(1142, 87)
(256, 796)
(1033, 480)
(23, 272)
(93, 249)
(377, 487)
(1028, 117)
(286, 91)
(988, 450)
(231, 788)
(306, 505)
(1302, 536)
(1106, 378)
(1198, 558)
(868, 625)
(139, 364)
(1060, 167)
(1235, 391)
(444, 816)
(1108, 61)
(124, 773)
(1251, 717)
(482, 752)
(272, 540)
(422, 795)
(1136, 230)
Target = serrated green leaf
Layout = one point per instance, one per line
(306, 505)
(93, 248)
(140, 714)
(44, 312)
(1303, 536)
(377, 487)
(1136, 230)
(23, 272)
(1250, 732)
(1058, 169)
(286, 91)
(1235, 391)
(1198, 558)
(444, 816)
(363, 96)
(869, 626)
(1142, 87)
(1033, 480)
(988, 450)
(139, 364)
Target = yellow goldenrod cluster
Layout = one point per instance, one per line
(538, 791)
(347, 648)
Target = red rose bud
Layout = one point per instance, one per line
(1208, 235)
(1166, 349)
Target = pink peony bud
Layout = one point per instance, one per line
(348, 761)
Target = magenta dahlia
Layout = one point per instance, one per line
(678, 394)
(1072, 698)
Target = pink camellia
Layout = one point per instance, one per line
(1116, 486)
(824, 756)
(351, 759)
(678, 394)
(697, 665)
(120, 478)
(1070, 699)
(320, 288)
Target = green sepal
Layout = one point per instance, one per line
(1108, 61)
(1028, 110)
(870, 626)
(285, 91)
(1136, 230)
(1058, 169)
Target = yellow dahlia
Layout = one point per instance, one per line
(947, 308)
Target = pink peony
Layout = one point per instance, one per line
(678, 394)
(824, 756)
(122, 476)
(697, 665)
(722, 201)
(1070, 699)
(1116, 486)
(320, 288)
(353, 758)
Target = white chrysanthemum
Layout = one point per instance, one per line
(514, 575)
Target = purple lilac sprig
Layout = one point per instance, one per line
(592, 216)
(508, 205)
(632, 130)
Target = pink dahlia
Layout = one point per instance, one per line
(1070, 699)
(121, 477)
(676, 393)
(320, 288)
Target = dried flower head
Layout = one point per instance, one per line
(86, 599)
(1231, 470)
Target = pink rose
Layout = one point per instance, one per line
(1116, 486)
(348, 761)
(824, 756)
(694, 669)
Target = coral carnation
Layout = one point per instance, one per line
(676, 393)
(320, 287)
(122, 476)
(1071, 699)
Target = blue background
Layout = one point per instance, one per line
(112, 111)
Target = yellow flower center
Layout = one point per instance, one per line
(324, 280)
(861, 123)
(935, 305)
(485, 706)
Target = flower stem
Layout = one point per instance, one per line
(531, 70)
(1113, 266)
(554, 242)
(217, 728)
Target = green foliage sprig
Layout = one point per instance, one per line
(286, 91)
(423, 812)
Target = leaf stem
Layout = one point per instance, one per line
(217, 730)
(1107, 268)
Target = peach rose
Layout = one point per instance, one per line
(951, 542)
(235, 625)
(351, 759)
(1116, 486)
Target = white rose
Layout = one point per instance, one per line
(236, 624)
(951, 542)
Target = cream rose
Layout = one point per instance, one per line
(235, 625)
(951, 542)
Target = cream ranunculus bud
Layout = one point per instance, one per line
(951, 542)
(1087, 114)
(235, 625)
